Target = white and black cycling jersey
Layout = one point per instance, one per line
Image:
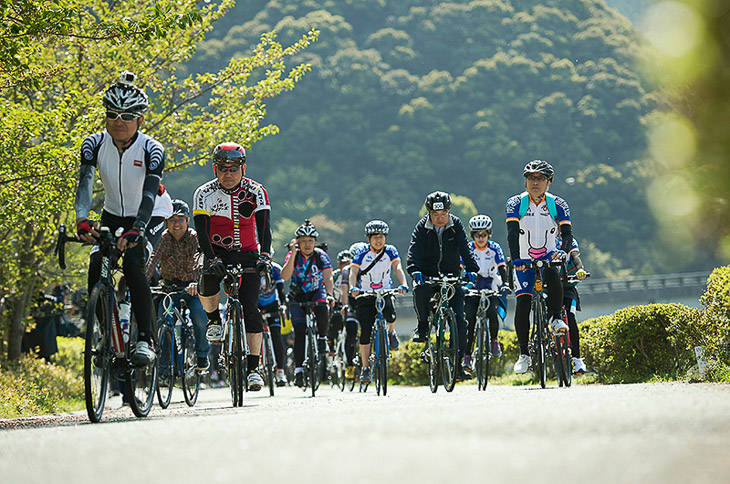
(123, 174)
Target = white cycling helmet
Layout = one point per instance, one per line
(123, 96)
(376, 227)
(480, 222)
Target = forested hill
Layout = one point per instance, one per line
(409, 96)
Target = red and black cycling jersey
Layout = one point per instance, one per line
(235, 220)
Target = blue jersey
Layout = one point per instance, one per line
(313, 280)
(266, 298)
(488, 259)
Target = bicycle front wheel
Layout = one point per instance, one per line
(481, 358)
(97, 350)
(166, 369)
(562, 360)
(449, 350)
(190, 374)
(539, 363)
(236, 360)
(433, 355)
(382, 358)
(268, 363)
(312, 360)
(340, 363)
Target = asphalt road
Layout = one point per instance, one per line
(661, 432)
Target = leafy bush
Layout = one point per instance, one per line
(70, 355)
(641, 343)
(29, 386)
(716, 323)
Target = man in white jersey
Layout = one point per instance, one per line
(535, 218)
(370, 270)
(130, 166)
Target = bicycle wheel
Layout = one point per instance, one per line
(562, 360)
(312, 360)
(481, 360)
(190, 375)
(449, 350)
(237, 371)
(340, 359)
(382, 358)
(166, 368)
(268, 361)
(97, 351)
(357, 368)
(540, 356)
(433, 355)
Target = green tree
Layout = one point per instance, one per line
(60, 59)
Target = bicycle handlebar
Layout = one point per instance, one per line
(480, 292)
(375, 292)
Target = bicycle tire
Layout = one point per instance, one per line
(481, 366)
(141, 380)
(562, 361)
(165, 353)
(269, 371)
(449, 351)
(357, 367)
(97, 351)
(539, 327)
(433, 355)
(313, 361)
(190, 375)
(237, 382)
(383, 359)
(340, 362)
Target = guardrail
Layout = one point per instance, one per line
(693, 281)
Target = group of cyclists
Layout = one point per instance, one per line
(232, 226)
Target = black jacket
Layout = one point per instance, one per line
(432, 256)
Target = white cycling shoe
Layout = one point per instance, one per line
(579, 366)
(214, 332)
(522, 364)
(558, 326)
(255, 382)
(143, 354)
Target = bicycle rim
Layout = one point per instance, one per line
(269, 364)
(383, 360)
(97, 351)
(190, 374)
(542, 366)
(166, 367)
(479, 355)
(433, 355)
(238, 357)
(450, 351)
(312, 359)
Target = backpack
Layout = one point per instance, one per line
(549, 198)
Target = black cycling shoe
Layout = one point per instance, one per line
(419, 336)
(462, 375)
(202, 363)
(393, 341)
(299, 380)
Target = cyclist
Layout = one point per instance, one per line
(310, 271)
(492, 275)
(178, 255)
(130, 165)
(370, 269)
(535, 218)
(270, 305)
(439, 246)
(571, 303)
(232, 218)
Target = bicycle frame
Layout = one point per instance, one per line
(482, 353)
(434, 351)
(311, 350)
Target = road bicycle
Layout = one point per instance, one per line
(175, 347)
(108, 346)
(312, 359)
(234, 348)
(482, 336)
(379, 344)
(441, 349)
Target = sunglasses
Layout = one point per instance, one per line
(480, 235)
(226, 169)
(126, 117)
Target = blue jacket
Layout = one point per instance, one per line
(431, 254)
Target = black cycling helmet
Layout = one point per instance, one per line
(306, 230)
(438, 201)
(539, 166)
(229, 153)
(376, 227)
(124, 97)
(180, 207)
(344, 256)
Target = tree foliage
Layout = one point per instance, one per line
(411, 96)
(60, 58)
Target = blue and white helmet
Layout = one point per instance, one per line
(376, 227)
(123, 96)
(480, 222)
(358, 246)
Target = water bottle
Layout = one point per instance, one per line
(124, 313)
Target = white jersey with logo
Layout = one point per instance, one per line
(538, 229)
(378, 276)
(488, 259)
